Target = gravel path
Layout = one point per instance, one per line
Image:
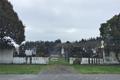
(59, 69)
(61, 73)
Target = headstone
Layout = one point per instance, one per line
(102, 44)
(28, 52)
(62, 52)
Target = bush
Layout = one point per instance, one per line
(5, 44)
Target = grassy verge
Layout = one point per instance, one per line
(97, 69)
(21, 69)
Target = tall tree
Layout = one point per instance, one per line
(110, 32)
(10, 24)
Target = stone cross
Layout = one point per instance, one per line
(102, 44)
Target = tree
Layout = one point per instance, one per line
(10, 24)
(58, 41)
(110, 32)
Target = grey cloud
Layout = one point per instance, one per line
(52, 19)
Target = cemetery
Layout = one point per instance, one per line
(87, 56)
(59, 40)
(13, 54)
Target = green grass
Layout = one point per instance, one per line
(84, 69)
(21, 69)
(97, 69)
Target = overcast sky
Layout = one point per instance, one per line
(64, 19)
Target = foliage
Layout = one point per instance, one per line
(43, 48)
(10, 24)
(110, 32)
(5, 44)
(81, 48)
(111, 29)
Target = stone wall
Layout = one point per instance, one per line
(6, 56)
(34, 60)
(108, 60)
(85, 61)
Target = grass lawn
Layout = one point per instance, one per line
(97, 69)
(21, 69)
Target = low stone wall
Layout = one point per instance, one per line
(92, 61)
(110, 60)
(19, 60)
(86, 61)
(6, 56)
(32, 60)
